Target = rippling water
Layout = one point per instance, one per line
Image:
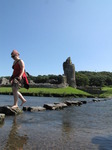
(88, 127)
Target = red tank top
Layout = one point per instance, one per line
(17, 71)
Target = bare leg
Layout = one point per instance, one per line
(22, 98)
(15, 94)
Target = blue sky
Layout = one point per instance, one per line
(47, 32)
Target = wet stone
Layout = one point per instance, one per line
(84, 102)
(60, 105)
(38, 108)
(96, 100)
(55, 106)
(26, 108)
(8, 111)
(49, 106)
(77, 103)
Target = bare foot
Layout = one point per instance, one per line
(23, 102)
(14, 107)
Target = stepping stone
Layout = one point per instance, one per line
(26, 108)
(38, 108)
(96, 100)
(8, 111)
(77, 103)
(84, 102)
(55, 106)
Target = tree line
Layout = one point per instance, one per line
(87, 78)
(53, 79)
(83, 78)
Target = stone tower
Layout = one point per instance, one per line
(69, 72)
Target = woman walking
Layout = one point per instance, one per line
(18, 78)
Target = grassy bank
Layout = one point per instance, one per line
(106, 92)
(59, 92)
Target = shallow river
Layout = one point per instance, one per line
(86, 127)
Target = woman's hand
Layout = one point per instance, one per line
(20, 78)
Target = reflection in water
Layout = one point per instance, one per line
(67, 126)
(66, 122)
(1, 124)
(67, 119)
(15, 141)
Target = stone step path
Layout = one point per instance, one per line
(8, 111)
(57, 106)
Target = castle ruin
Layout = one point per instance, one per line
(69, 72)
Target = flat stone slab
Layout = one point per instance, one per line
(77, 103)
(2, 117)
(58, 105)
(8, 111)
(37, 108)
(55, 106)
(84, 102)
(96, 100)
(25, 108)
(49, 106)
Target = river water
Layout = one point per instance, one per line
(86, 127)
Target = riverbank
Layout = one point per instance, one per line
(48, 92)
(106, 92)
